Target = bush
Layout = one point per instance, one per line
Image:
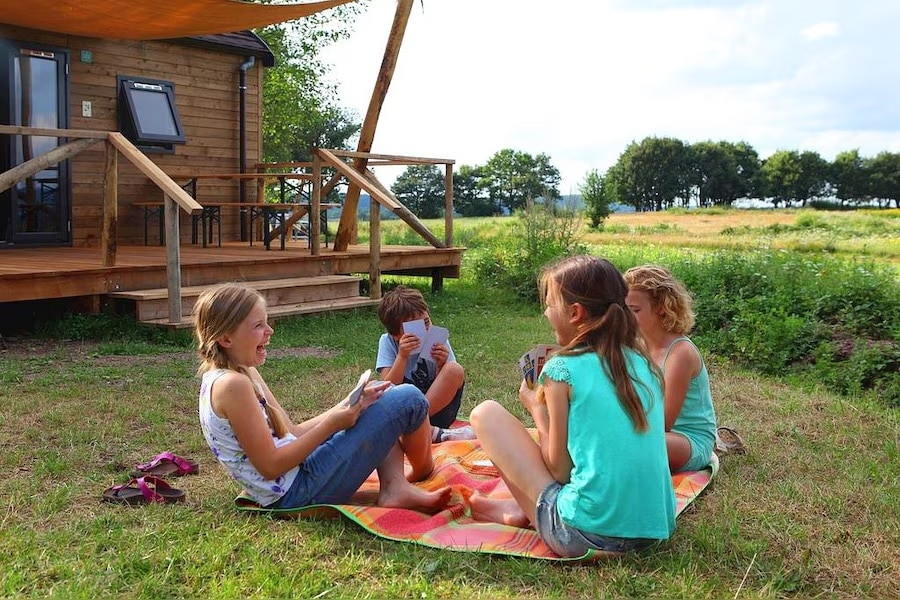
(538, 236)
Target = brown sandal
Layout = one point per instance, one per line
(728, 441)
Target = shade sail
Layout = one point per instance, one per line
(151, 19)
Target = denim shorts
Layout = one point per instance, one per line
(571, 542)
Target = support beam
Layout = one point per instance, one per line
(347, 230)
(109, 227)
(39, 163)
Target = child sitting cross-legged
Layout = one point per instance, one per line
(400, 360)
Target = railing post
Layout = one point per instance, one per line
(374, 249)
(448, 205)
(315, 207)
(109, 225)
(173, 259)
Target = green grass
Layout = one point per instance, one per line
(812, 510)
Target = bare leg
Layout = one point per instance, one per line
(679, 450)
(498, 510)
(396, 492)
(514, 452)
(417, 447)
(444, 387)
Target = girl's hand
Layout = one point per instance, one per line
(440, 354)
(340, 416)
(372, 392)
(527, 396)
(408, 344)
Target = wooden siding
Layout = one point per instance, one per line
(207, 95)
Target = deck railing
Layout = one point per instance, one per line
(175, 197)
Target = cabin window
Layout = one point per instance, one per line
(148, 115)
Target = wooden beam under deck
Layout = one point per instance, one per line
(48, 273)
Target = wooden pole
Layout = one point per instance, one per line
(374, 249)
(173, 260)
(448, 205)
(315, 207)
(39, 163)
(108, 229)
(347, 229)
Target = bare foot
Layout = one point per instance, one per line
(506, 511)
(406, 495)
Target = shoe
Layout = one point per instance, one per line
(143, 490)
(167, 464)
(441, 434)
(728, 441)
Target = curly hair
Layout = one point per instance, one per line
(667, 295)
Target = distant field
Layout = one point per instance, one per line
(872, 234)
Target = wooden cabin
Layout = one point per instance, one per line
(215, 82)
(186, 110)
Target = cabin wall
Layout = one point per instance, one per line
(207, 95)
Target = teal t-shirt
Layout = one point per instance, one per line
(620, 484)
(697, 419)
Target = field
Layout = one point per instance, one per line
(813, 509)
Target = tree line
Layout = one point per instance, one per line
(660, 173)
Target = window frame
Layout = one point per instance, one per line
(128, 114)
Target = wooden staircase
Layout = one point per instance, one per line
(285, 297)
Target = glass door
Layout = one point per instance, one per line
(36, 210)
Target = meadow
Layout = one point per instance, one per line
(810, 511)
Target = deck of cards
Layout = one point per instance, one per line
(356, 394)
(532, 362)
(428, 336)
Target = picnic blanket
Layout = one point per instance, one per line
(464, 467)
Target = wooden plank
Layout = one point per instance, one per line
(394, 159)
(173, 261)
(39, 163)
(448, 205)
(58, 133)
(374, 249)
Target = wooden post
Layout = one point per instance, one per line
(448, 205)
(173, 259)
(374, 249)
(315, 207)
(109, 226)
(346, 232)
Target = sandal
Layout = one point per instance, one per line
(167, 464)
(138, 491)
(728, 441)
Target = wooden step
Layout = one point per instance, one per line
(283, 311)
(153, 305)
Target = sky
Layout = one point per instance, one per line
(579, 80)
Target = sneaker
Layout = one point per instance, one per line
(440, 434)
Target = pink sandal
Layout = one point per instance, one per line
(138, 491)
(167, 464)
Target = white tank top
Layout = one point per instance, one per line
(226, 448)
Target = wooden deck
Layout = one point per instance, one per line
(66, 272)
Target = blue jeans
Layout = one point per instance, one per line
(336, 469)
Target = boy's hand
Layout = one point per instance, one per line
(440, 354)
(407, 345)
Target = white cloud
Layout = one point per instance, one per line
(580, 79)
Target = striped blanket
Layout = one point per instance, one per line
(465, 468)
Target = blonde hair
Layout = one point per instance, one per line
(219, 311)
(609, 327)
(667, 295)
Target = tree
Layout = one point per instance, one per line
(515, 178)
(421, 189)
(885, 182)
(470, 192)
(781, 176)
(594, 192)
(300, 109)
(813, 176)
(850, 177)
(653, 174)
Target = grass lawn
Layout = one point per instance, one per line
(811, 510)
